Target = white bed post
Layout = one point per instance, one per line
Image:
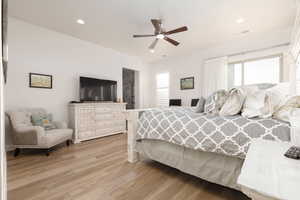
(132, 118)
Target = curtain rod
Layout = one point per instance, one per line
(251, 51)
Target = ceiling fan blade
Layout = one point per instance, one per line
(178, 30)
(152, 46)
(137, 36)
(157, 25)
(174, 42)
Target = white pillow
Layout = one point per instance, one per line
(234, 102)
(279, 93)
(248, 90)
(275, 98)
(283, 113)
(254, 104)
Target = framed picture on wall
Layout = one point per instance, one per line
(40, 81)
(187, 83)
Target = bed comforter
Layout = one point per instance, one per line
(230, 135)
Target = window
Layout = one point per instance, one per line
(162, 90)
(265, 70)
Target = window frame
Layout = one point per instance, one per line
(242, 62)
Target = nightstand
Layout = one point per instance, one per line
(267, 174)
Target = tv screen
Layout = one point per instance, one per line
(92, 89)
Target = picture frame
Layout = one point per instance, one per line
(40, 81)
(187, 83)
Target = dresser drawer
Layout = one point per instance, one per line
(109, 108)
(109, 116)
(110, 124)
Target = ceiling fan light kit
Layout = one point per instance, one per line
(160, 34)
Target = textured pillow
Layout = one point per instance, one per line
(200, 106)
(283, 113)
(214, 102)
(254, 104)
(234, 102)
(43, 120)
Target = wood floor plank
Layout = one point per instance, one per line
(98, 169)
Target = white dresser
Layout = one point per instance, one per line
(93, 120)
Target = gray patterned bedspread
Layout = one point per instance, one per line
(230, 135)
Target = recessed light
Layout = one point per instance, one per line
(240, 20)
(152, 50)
(80, 21)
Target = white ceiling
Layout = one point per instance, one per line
(111, 23)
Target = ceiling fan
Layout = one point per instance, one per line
(160, 33)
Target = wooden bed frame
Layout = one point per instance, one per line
(132, 117)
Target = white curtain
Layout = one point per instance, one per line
(293, 58)
(215, 75)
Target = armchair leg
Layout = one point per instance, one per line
(48, 152)
(68, 142)
(16, 152)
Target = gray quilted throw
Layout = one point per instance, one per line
(229, 135)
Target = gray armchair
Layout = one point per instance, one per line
(25, 135)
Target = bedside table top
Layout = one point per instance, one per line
(267, 171)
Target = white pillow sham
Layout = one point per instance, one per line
(264, 103)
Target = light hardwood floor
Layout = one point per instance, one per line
(98, 169)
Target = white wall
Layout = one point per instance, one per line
(178, 68)
(39, 50)
(192, 64)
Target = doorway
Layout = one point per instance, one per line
(130, 80)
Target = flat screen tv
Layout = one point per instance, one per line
(92, 89)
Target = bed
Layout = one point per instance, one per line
(210, 147)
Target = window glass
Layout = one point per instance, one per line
(162, 90)
(262, 71)
(265, 70)
(238, 74)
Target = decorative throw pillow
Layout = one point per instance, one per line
(254, 104)
(43, 121)
(234, 102)
(200, 106)
(215, 102)
(283, 113)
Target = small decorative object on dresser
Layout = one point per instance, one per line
(187, 83)
(40, 81)
(94, 120)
